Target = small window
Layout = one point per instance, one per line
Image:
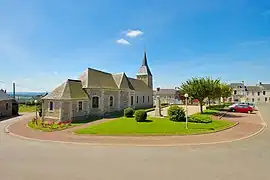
(235, 92)
(6, 106)
(131, 100)
(148, 98)
(143, 99)
(258, 93)
(111, 101)
(51, 106)
(95, 102)
(137, 100)
(264, 93)
(265, 99)
(80, 104)
(252, 99)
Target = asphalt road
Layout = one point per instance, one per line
(31, 160)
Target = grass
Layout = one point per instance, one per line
(53, 127)
(25, 108)
(153, 126)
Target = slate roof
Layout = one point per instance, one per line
(165, 92)
(144, 69)
(266, 86)
(236, 84)
(71, 89)
(139, 85)
(254, 88)
(4, 96)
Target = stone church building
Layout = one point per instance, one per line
(97, 93)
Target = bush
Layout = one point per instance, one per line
(200, 118)
(176, 113)
(129, 112)
(140, 115)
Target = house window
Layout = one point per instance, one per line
(51, 106)
(258, 93)
(6, 106)
(235, 92)
(264, 93)
(148, 99)
(137, 100)
(131, 100)
(80, 106)
(252, 99)
(265, 99)
(111, 101)
(143, 99)
(258, 99)
(95, 102)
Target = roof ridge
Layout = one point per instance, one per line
(99, 71)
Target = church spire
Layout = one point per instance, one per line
(144, 69)
(144, 63)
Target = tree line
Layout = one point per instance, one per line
(206, 88)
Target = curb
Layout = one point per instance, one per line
(136, 145)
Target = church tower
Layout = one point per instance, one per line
(144, 73)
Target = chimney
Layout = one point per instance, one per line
(158, 89)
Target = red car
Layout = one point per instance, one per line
(241, 108)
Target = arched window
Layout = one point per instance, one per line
(111, 101)
(6, 106)
(95, 102)
(51, 106)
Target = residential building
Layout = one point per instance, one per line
(170, 96)
(259, 93)
(5, 104)
(97, 93)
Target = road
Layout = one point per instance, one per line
(30, 160)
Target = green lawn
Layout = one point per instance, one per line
(154, 126)
(25, 108)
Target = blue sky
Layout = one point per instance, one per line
(42, 43)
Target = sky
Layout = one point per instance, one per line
(43, 43)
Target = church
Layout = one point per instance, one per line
(97, 93)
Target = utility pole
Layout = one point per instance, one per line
(14, 91)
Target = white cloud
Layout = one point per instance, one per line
(123, 41)
(133, 33)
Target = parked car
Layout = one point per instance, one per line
(242, 108)
(249, 104)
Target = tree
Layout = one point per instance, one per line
(226, 90)
(198, 88)
(213, 88)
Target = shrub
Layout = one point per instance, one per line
(176, 113)
(200, 118)
(140, 115)
(129, 112)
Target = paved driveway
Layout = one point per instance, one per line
(31, 160)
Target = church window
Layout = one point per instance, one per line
(80, 104)
(51, 106)
(148, 99)
(137, 100)
(111, 101)
(143, 99)
(95, 102)
(131, 100)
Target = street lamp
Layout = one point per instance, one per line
(186, 96)
(36, 101)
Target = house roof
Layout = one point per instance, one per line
(71, 89)
(4, 96)
(253, 88)
(266, 86)
(165, 91)
(138, 85)
(92, 78)
(236, 84)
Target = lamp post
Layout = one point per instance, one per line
(186, 96)
(36, 101)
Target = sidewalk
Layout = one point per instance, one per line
(249, 125)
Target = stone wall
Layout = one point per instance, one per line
(51, 114)
(6, 108)
(124, 99)
(143, 100)
(95, 93)
(76, 114)
(106, 100)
